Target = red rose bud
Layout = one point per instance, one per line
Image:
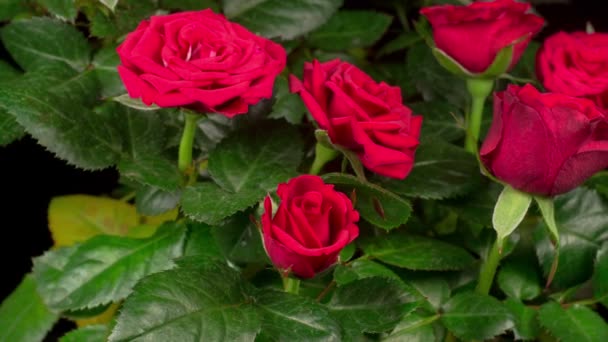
(361, 115)
(575, 64)
(199, 60)
(483, 39)
(545, 144)
(312, 225)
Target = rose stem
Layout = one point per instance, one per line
(488, 268)
(323, 155)
(184, 161)
(479, 89)
(291, 285)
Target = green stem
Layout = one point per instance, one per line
(184, 161)
(291, 285)
(323, 155)
(488, 269)
(479, 89)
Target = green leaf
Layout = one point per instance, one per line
(278, 18)
(599, 182)
(478, 206)
(418, 253)
(401, 42)
(201, 242)
(510, 210)
(431, 286)
(583, 224)
(413, 327)
(361, 269)
(89, 333)
(40, 42)
(431, 80)
(134, 103)
(575, 324)
(245, 166)
(10, 8)
(23, 315)
(10, 130)
(442, 121)
(153, 201)
(526, 66)
(104, 268)
(370, 305)
(152, 171)
(111, 4)
(239, 240)
(547, 209)
(525, 319)
(64, 9)
(519, 279)
(286, 105)
(349, 29)
(201, 299)
(440, 171)
(287, 317)
(376, 205)
(472, 316)
(600, 275)
(190, 5)
(105, 63)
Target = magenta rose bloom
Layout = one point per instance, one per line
(312, 225)
(199, 60)
(361, 115)
(474, 34)
(545, 144)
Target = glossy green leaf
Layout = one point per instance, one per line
(40, 42)
(376, 205)
(441, 170)
(10, 8)
(287, 317)
(413, 328)
(349, 29)
(104, 268)
(201, 299)
(368, 305)
(472, 316)
(418, 253)
(286, 105)
(525, 319)
(105, 62)
(583, 224)
(10, 130)
(239, 239)
(200, 241)
(278, 18)
(509, 211)
(600, 275)
(64, 9)
(519, 279)
(245, 166)
(401, 42)
(135, 103)
(547, 210)
(153, 171)
(111, 4)
(442, 121)
(599, 182)
(575, 324)
(431, 286)
(361, 269)
(190, 5)
(23, 315)
(89, 333)
(152, 201)
(478, 206)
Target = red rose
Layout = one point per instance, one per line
(474, 34)
(545, 144)
(199, 60)
(312, 225)
(575, 64)
(361, 115)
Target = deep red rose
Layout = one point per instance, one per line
(199, 60)
(474, 34)
(361, 115)
(545, 144)
(575, 64)
(312, 225)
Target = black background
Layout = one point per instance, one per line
(30, 175)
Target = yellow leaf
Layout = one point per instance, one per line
(102, 318)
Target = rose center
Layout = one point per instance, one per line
(310, 203)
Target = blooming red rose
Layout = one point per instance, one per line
(474, 34)
(311, 226)
(545, 144)
(361, 115)
(575, 64)
(199, 60)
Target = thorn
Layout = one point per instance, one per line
(378, 207)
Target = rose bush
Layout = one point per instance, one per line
(575, 64)
(361, 115)
(473, 35)
(199, 60)
(313, 223)
(545, 144)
